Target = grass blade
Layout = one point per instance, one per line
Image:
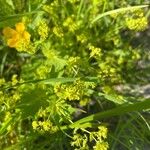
(120, 110)
(117, 11)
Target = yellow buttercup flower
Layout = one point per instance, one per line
(17, 38)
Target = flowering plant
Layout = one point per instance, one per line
(62, 64)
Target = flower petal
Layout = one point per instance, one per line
(12, 43)
(20, 27)
(9, 32)
(26, 36)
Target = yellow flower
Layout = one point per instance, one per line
(35, 125)
(16, 37)
(137, 24)
(46, 125)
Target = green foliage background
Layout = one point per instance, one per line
(81, 53)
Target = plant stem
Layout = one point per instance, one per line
(120, 110)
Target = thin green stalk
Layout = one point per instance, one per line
(3, 63)
(119, 131)
(44, 81)
(50, 81)
(80, 8)
(119, 10)
(147, 124)
(19, 15)
(104, 6)
(120, 110)
(118, 141)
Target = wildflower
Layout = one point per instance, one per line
(67, 92)
(43, 30)
(70, 24)
(18, 38)
(95, 51)
(58, 31)
(2, 97)
(82, 38)
(101, 145)
(46, 125)
(80, 141)
(7, 115)
(70, 92)
(138, 24)
(16, 96)
(102, 132)
(14, 79)
(42, 71)
(35, 125)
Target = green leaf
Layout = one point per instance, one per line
(5, 8)
(120, 110)
(6, 17)
(113, 97)
(31, 101)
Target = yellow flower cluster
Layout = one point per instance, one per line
(42, 125)
(108, 72)
(137, 24)
(48, 9)
(16, 96)
(101, 146)
(43, 30)
(74, 91)
(70, 24)
(2, 97)
(81, 141)
(73, 61)
(9, 100)
(42, 71)
(51, 8)
(17, 38)
(7, 115)
(102, 132)
(82, 38)
(68, 92)
(58, 31)
(95, 51)
(73, 65)
(14, 79)
(100, 137)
